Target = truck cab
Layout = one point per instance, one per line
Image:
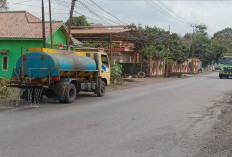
(225, 67)
(101, 59)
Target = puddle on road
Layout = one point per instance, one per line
(22, 98)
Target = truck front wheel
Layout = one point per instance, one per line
(70, 93)
(220, 76)
(101, 90)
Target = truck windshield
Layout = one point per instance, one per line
(105, 60)
(226, 60)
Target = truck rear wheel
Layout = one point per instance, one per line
(101, 90)
(70, 94)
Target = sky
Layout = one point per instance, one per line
(180, 15)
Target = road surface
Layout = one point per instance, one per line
(166, 119)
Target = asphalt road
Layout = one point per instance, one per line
(166, 119)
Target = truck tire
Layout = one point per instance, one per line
(141, 74)
(101, 90)
(70, 93)
(221, 76)
(49, 93)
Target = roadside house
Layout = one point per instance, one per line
(20, 29)
(120, 40)
(123, 52)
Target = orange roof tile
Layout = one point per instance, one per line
(21, 24)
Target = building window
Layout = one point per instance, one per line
(5, 63)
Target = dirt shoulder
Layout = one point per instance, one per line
(136, 82)
(145, 81)
(218, 142)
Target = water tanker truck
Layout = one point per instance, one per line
(59, 74)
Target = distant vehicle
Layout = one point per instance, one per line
(225, 67)
(59, 74)
(217, 65)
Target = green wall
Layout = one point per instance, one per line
(14, 47)
(58, 38)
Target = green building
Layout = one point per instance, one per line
(20, 29)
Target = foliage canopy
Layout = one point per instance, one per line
(78, 21)
(3, 5)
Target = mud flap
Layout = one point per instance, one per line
(60, 91)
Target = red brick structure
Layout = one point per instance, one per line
(157, 68)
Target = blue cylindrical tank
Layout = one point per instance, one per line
(41, 65)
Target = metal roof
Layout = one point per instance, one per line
(104, 33)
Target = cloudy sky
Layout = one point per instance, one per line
(180, 15)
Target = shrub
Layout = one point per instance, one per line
(116, 72)
(3, 89)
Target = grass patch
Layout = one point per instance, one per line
(7, 93)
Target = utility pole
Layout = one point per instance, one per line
(70, 23)
(167, 68)
(193, 49)
(193, 46)
(141, 65)
(43, 25)
(50, 18)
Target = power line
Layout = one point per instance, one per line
(65, 5)
(91, 11)
(89, 17)
(58, 4)
(108, 12)
(96, 14)
(103, 18)
(174, 13)
(85, 13)
(168, 14)
(47, 8)
(103, 14)
(79, 13)
(182, 18)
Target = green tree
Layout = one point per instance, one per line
(3, 5)
(224, 37)
(219, 50)
(204, 48)
(187, 39)
(178, 51)
(78, 21)
(162, 45)
(170, 45)
(208, 51)
(158, 53)
(201, 29)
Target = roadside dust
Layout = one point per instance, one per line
(136, 82)
(218, 142)
(139, 82)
